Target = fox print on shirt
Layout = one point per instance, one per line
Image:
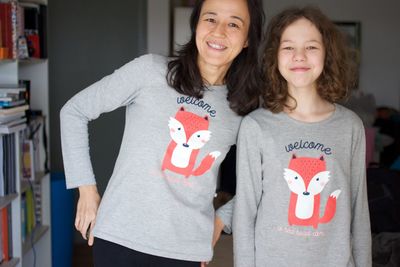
(306, 179)
(189, 133)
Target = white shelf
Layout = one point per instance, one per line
(31, 61)
(34, 237)
(11, 263)
(6, 200)
(25, 184)
(36, 71)
(12, 129)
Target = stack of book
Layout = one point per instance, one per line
(14, 101)
(22, 30)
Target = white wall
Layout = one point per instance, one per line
(380, 38)
(158, 24)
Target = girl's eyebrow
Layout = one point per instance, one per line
(215, 14)
(310, 41)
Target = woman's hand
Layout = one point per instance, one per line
(218, 228)
(88, 203)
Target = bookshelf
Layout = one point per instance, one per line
(33, 248)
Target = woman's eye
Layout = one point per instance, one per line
(233, 25)
(311, 48)
(287, 48)
(210, 20)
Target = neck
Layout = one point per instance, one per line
(213, 75)
(310, 106)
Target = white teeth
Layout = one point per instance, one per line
(216, 46)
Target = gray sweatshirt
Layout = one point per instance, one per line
(159, 198)
(301, 196)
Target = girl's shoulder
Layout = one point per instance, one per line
(348, 116)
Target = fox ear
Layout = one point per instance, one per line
(206, 117)
(322, 158)
(294, 156)
(182, 109)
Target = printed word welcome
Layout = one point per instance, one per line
(308, 145)
(197, 102)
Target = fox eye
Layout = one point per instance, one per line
(296, 178)
(317, 179)
(198, 136)
(179, 128)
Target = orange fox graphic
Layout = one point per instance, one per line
(189, 133)
(306, 178)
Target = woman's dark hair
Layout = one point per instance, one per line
(243, 78)
(338, 75)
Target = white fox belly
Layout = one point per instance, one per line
(181, 156)
(304, 206)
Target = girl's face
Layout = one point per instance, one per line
(301, 55)
(221, 32)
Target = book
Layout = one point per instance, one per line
(4, 229)
(12, 88)
(11, 117)
(28, 169)
(8, 104)
(13, 110)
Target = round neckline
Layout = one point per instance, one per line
(323, 121)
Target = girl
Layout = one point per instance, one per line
(182, 115)
(301, 192)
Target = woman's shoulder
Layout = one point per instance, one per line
(152, 60)
(261, 114)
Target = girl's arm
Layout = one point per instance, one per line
(248, 192)
(360, 226)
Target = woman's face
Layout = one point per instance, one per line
(221, 32)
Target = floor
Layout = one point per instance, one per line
(82, 254)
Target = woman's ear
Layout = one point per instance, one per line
(246, 44)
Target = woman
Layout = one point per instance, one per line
(182, 116)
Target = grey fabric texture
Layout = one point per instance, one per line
(301, 197)
(159, 197)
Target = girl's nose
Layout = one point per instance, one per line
(299, 55)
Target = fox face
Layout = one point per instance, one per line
(301, 186)
(188, 136)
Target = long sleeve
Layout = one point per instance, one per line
(113, 91)
(360, 226)
(225, 213)
(248, 192)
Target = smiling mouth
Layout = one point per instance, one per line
(300, 69)
(216, 46)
